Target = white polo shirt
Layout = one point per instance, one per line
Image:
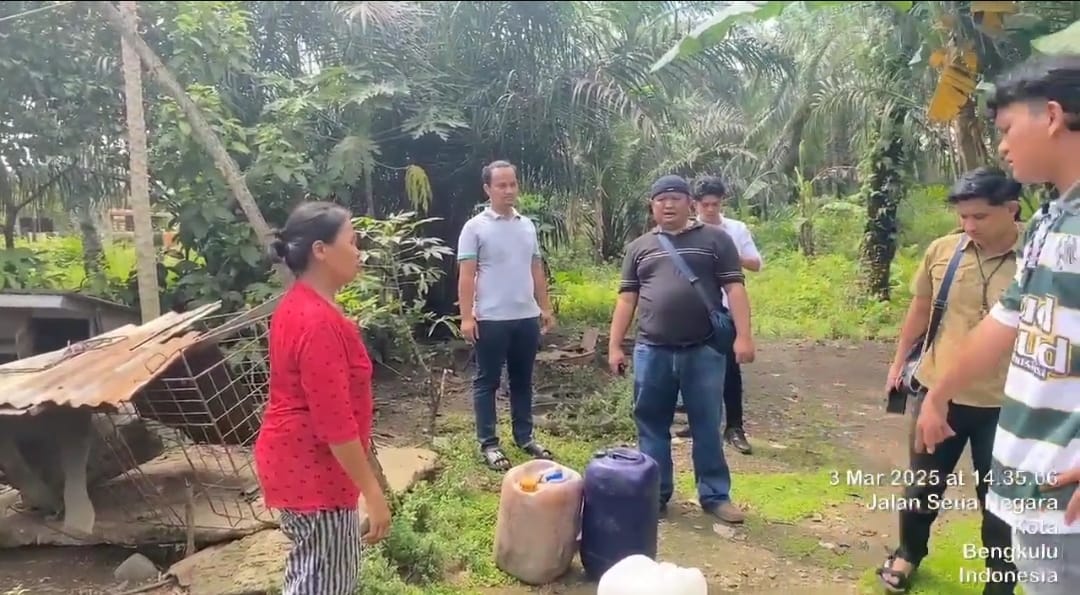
(740, 234)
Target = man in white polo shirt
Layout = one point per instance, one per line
(709, 195)
(505, 307)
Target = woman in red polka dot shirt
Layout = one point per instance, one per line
(311, 454)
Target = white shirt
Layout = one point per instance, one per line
(740, 234)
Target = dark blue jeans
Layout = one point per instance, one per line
(660, 374)
(733, 393)
(515, 343)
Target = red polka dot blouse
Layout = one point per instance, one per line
(320, 394)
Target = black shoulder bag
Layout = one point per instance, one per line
(897, 401)
(723, 328)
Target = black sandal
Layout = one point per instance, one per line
(887, 575)
(495, 459)
(537, 451)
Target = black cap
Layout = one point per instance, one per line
(669, 184)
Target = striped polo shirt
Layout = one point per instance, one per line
(505, 248)
(1038, 432)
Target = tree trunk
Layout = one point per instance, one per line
(784, 153)
(145, 253)
(806, 237)
(230, 171)
(884, 188)
(601, 223)
(93, 251)
(8, 207)
(968, 137)
(369, 191)
(9, 228)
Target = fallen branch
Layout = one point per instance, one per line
(435, 403)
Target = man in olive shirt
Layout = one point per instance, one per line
(987, 204)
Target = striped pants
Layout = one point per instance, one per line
(325, 555)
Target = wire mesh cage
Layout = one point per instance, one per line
(209, 402)
(174, 454)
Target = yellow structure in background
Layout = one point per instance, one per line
(956, 83)
(959, 66)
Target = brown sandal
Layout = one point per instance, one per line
(537, 451)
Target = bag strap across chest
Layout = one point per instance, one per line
(684, 269)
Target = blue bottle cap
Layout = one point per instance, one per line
(554, 477)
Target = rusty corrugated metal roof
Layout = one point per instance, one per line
(108, 369)
(41, 298)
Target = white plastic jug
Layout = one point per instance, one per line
(640, 575)
(539, 521)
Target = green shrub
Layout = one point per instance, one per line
(819, 298)
(795, 296)
(586, 296)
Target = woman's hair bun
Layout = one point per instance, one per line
(279, 248)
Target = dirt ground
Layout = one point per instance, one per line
(808, 406)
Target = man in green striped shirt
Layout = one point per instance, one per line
(1036, 459)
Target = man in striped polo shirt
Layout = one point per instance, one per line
(505, 308)
(1036, 458)
(676, 348)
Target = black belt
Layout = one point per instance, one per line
(679, 346)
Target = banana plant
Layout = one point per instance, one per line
(713, 30)
(1066, 41)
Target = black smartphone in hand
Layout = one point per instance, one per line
(897, 401)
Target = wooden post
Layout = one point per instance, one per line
(142, 213)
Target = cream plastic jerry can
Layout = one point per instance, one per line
(539, 520)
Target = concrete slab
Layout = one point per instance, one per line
(254, 564)
(404, 467)
(148, 506)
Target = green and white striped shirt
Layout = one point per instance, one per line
(1038, 433)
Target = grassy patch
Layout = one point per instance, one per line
(790, 542)
(63, 256)
(790, 497)
(792, 297)
(781, 505)
(940, 573)
(779, 497)
(799, 297)
(444, 530)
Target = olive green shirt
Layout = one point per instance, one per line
(975, 289)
